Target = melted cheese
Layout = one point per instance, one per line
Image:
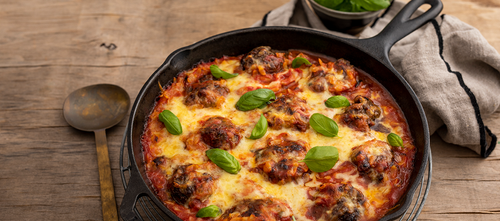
(248, 184)
(243, 185)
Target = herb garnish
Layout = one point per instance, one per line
(219, 73)
(337, 101)
(211, 211)
(321, 158)
(298, 61)
(171, 122)
(324, 125)
(224, 160)
(255, 99)
(260, 128)
(395, 140)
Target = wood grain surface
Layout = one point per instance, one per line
(48, 48)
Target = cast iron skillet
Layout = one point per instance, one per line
(371, 55)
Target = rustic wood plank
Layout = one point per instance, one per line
(481, 14)
(55, 176)
(50, 169)
(463, 185)
(48, 48)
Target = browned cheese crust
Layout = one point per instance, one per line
(279, 160)
(267, 209)
(288, 111)
(339, 201)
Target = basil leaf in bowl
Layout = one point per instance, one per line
(348, 16)
(355, 5)
(372, 5)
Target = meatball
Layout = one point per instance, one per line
(205, 92)
(318, 82)
(191, 185)
(220, 132)
(337, 77)
(336, 201)
(215, 132)
(262, 58)
(372, 159)
(288, 111)
(267, 209)
(361, 114)
(279, 160)
(160, 161)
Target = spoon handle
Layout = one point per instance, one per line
(109, 212)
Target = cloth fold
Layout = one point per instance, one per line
(451, 67)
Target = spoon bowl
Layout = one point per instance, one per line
(97, 108)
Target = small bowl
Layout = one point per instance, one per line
(346, 22)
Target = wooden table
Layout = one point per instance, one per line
(48, 48)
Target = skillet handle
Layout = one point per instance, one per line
(132, 194)
(400, 26)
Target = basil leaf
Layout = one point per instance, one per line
(171, 122)
(255, 99)
(209, 211)
(372, 5)
(224, 160)
(337, 101)
(355, 5)
(321, 158)
(395, 140)
(324, 125)
(345, 6)
(298, 61)
(357, 8)
(260, 128)
(329, 3)
(219, 73)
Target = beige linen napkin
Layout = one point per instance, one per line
(449, 64)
